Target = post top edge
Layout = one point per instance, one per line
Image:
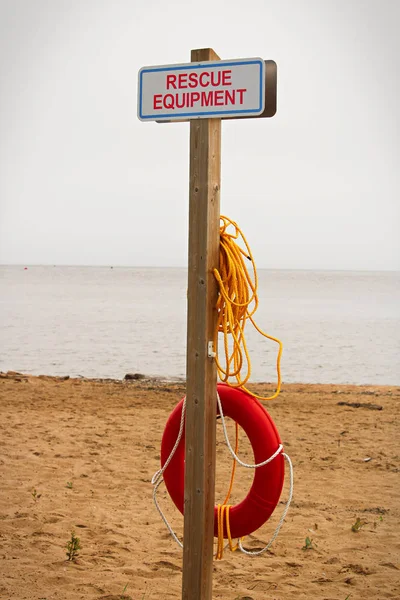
(199, 54)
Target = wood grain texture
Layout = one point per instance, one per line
(204, 212)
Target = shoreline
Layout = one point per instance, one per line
(140, 379)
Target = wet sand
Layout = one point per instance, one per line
(78, 455)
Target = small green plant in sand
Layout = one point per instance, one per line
(376, 522)
(73, 547)
(309, 544)
(35, 495)
(69, 485)
(357, 525)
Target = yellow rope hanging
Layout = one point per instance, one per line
(223, 512)
(223, 509)
(237, 302)
(228, 495)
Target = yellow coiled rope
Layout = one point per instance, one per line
(237, 302)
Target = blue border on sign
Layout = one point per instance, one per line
(170, 116)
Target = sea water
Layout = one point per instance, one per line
(336, 327)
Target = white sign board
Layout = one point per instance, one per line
(226, 88)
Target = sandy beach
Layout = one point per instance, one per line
(77, 455)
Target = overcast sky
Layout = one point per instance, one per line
(83, 181)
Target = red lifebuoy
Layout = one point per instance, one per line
(265, 491)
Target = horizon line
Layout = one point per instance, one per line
(118, 266)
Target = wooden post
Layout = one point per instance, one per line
(201, 375)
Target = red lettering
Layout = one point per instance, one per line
(241, 92)
(229, 96)
(182, 80)
(226, 77)
(195, 97)
(182, 103)
(207, 98)
(216, 78)
(171, 81)
(202, 78)
(157, 100)
(170, 99)
(219, 98)
(193, 80)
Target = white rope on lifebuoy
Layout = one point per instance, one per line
(157, 479)
(281, 520)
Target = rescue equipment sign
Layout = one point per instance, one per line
(214, 89)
